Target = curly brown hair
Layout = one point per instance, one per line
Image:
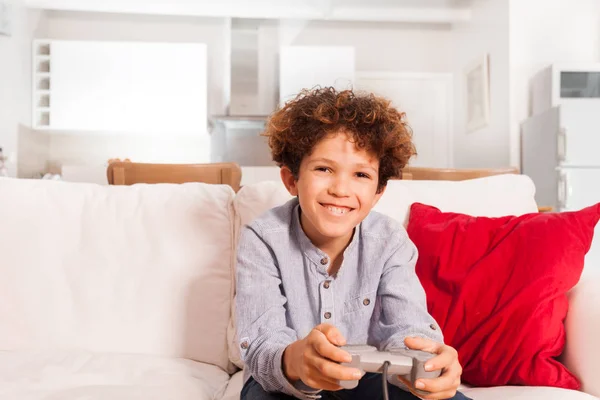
(369, 120)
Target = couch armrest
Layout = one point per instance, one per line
(582, 350)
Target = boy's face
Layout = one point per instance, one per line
(336, 187)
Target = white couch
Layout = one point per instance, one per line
(127, 292)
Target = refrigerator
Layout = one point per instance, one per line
(560, 152)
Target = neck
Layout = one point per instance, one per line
(333, 247)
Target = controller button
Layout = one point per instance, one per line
(432, 326)
(327, 315)
(366, 302)
(324, 261)
(244, 345)
(326, 284)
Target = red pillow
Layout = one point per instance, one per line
(497, 287)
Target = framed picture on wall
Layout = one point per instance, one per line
(477, 83)
(5, 17)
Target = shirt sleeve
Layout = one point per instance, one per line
(262, 331)
(403, 302)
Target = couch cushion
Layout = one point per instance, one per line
(234, 387)
(525, 393)
(582, 350)
(132, 269)
(497, 287)
(251, 201)
(78, 375)
(493, 196)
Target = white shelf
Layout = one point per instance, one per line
(125, 87)
(41, 96)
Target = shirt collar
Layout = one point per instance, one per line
(314, 254)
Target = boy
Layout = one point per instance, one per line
(323, 270)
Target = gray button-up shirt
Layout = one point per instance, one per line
(284, 291)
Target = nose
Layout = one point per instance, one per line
(340, 186)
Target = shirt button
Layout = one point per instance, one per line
(324, 261)
(433, 327)
(366, 302)
(326, 284)
(244, 345)
(327, 315)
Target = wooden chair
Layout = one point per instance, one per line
(129, 173)
(449, 174)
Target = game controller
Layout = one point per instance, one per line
(409, 364)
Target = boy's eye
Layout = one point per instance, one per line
(362, 175)
(322, 169)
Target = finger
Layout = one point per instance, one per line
(329, 381)
(409, 386)
(328, 350)
(334, 371)
(446, 394)
(318, 379)
(446, 358)
(424, 344)
(449, 380)
(457, 383)
(441, 384)
(332, 334)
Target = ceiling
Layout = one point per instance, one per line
(421, 11)
(407, 3)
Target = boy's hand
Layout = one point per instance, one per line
(444, 386)
(315, 359)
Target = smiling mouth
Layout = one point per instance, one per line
(337, 210)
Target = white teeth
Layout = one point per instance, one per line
(337, 210)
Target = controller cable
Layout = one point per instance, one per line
(385, 383)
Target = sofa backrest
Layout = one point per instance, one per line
(139, 269)
(493, 196)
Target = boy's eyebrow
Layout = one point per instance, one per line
(366, 166)
(322, 159)
(327, 160)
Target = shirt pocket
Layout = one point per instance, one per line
(363, 303)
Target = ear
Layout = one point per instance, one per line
(378, 196)
(288, 180)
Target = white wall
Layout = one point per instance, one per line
(543, 32)
(385, 46)
(73, 148)
(486, 33)
(378, 47)
(33, 152)
(97, 148)
(15, 79)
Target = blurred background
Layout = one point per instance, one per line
(193, 81)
